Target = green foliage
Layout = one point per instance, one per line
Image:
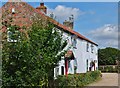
(30, 60)
(13, 32)
(108, 56)
(77, 80)
(108, 69)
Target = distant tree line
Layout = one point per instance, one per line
(108, 56)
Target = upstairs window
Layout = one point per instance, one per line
(87, 47)
(74, 42)
(92, 48)
(13, 10)
(13, 35)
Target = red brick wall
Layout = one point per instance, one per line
(23, 13)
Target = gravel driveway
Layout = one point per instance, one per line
(108, 79)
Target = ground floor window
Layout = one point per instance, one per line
(90, 68)
(75, 69)
(75, 65)
(62, 70)
(96, 68)
(87, 64)
(57, 71)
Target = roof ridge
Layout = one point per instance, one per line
(59, 24)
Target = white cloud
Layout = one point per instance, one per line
(62, 12)
(106, 36)
(72, 0)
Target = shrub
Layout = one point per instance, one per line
(77, 80)
(109, 69)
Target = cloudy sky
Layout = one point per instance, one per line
(95, 20)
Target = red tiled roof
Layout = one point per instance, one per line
(66, 28)
(58, 24)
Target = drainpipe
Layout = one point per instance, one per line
(94, 67)
(66, 67)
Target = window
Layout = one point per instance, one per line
(13, 35)
(67, 39)
(87, 64)
(87, 47)
(74, 42)
(13, 10)
(57, 71)
(62, 70)
(69, 64)
(92, 48)
(75, 65)
(9, 34)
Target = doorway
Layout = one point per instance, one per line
(62, 70)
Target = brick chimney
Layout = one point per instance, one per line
(69, 23)
(42, 8)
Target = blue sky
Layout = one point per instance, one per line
(103, 13)
(91, 18)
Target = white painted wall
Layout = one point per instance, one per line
(81, 55)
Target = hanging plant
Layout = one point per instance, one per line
(69, 55)
(75, 67)
(92, 63)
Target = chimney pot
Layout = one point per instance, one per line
(42, 8)
(69, 23)
(13, 10)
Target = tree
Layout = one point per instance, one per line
(108, 56)
(31, 60)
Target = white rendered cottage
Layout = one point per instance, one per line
(82, 53)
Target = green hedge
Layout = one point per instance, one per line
(109, 69)
(77, 80)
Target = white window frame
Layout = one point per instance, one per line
(74, 41)
(8, 36)
(56, 71)
(92, 48)
(87, 47)
(13, 10)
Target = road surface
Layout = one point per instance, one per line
(108, 79)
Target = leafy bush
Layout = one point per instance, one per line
(108, 69)
(77, 80)
(30, 61)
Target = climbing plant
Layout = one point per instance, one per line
(31, 60)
